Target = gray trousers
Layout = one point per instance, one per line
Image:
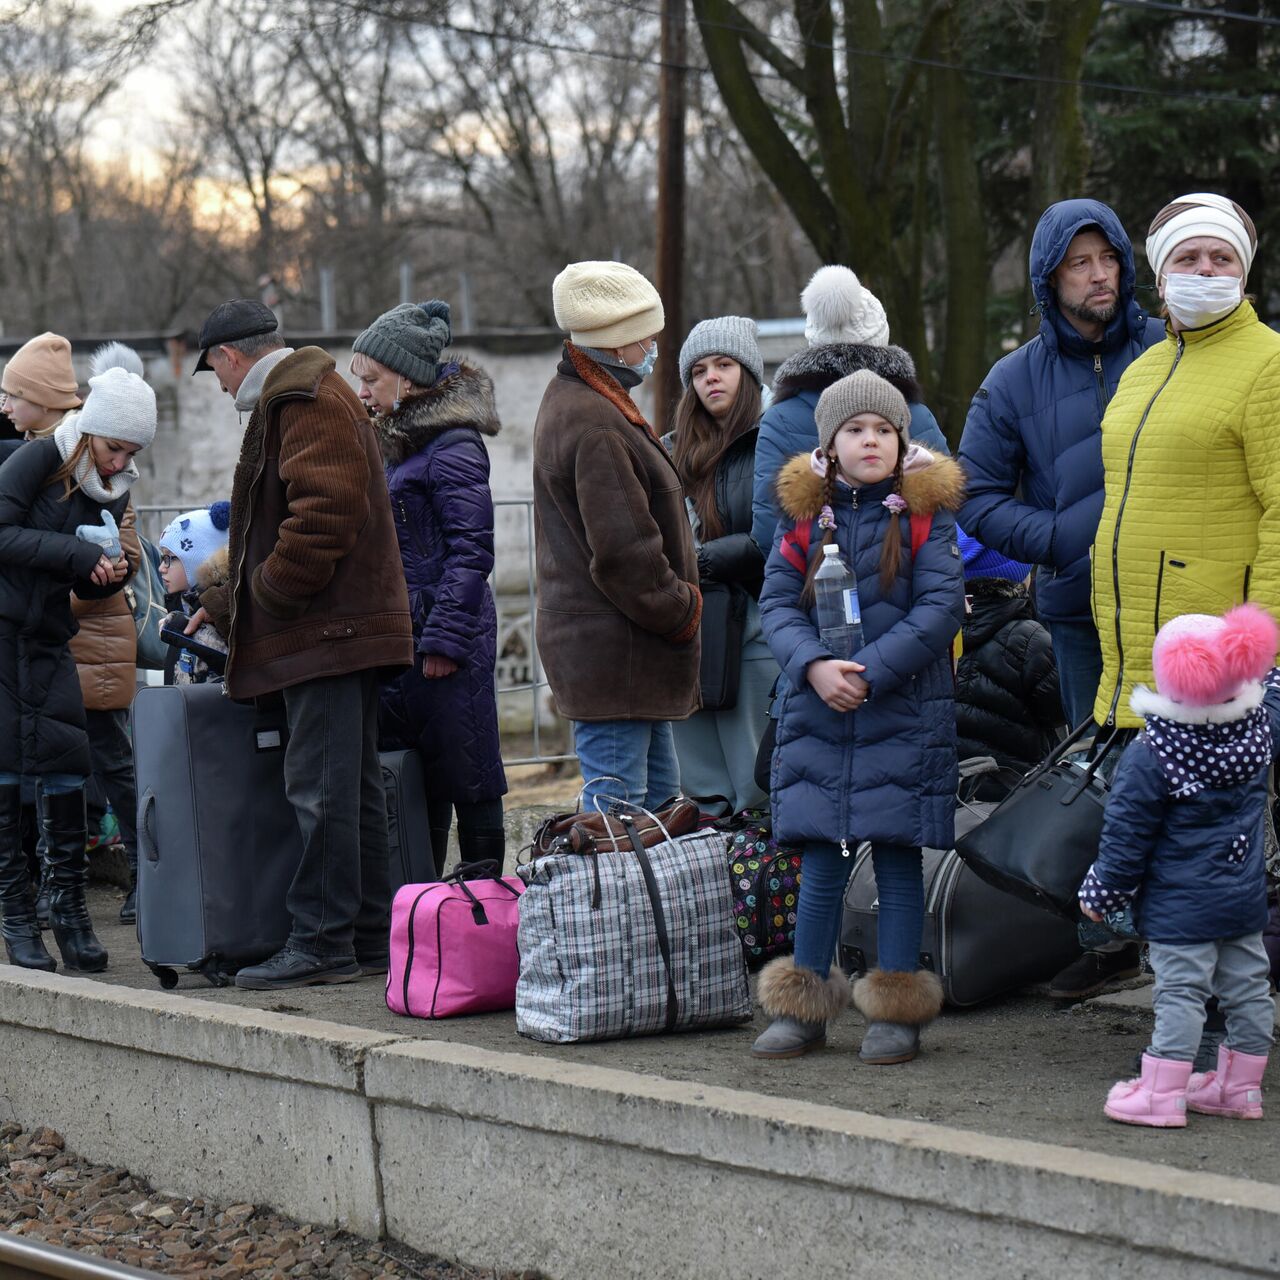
(1236, 970)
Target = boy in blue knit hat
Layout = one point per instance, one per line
(193, 558)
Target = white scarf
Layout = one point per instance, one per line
(67, 436)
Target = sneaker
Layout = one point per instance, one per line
(291, 968)
(1095, 970)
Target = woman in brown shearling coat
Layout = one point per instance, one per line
(618, 601)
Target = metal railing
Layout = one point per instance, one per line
(23, 1259)
(518, 659)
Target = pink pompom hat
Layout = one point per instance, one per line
(1202, 661)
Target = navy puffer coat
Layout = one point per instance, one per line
(438, 477)
(788, 426)
(1032, 443)
(888, 770)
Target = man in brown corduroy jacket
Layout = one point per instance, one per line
(315, 607)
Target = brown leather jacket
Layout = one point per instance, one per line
(618, 604)
(317, 588)
(106, 646)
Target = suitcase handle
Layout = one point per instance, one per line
(146, 836)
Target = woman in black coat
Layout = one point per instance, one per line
(713, 448)
(1008, 703)
(54, 493)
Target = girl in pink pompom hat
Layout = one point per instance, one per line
(1182, 841)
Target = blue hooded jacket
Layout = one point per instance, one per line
(1032, 442)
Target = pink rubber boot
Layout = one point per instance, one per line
(1234, 1089)
(1157, 1098)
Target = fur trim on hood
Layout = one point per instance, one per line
(933, 483)
(216, 570)
(816, 368)
(461, 399)
(1147, 702)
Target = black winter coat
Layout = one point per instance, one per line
(41, 562)
(1008, 704)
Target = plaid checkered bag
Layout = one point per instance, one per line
(630, 942)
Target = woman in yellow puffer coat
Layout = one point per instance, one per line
(1191, 451)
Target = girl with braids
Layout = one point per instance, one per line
(866, 749)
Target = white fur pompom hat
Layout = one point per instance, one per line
(839, 308)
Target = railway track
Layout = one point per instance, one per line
(22, 1259)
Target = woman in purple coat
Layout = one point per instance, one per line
(432, 418)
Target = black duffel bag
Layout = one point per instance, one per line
(1043, 837)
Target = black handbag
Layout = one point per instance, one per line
(724, 621)
(1043, 836)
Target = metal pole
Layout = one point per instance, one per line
(406, 282)
(671, 124)
(464, 303)
(328, 302)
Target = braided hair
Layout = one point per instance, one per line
(890, 548)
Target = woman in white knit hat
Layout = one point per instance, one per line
(618, 600)
(55, 496)
(1191, 520)
(714, 447)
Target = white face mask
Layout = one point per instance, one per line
(1195, 301)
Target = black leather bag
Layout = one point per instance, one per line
(724, 621)
(1043, 836)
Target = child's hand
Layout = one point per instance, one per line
(198, 619)
(838, 684)
(1090, 914)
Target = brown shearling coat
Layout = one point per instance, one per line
(317, 588)
(618, 604)
(105, 648)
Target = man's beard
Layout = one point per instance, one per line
(1091, 315)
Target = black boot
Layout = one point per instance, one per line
(62, 821)
(44, 888)
(22, 942)
(129, 908)
(481, 844)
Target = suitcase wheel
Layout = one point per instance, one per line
(168, 978)
(213, 971)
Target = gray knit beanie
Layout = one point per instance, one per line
(732, 336)
(861, 392)
(408, 339)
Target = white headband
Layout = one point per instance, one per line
(1208, 215)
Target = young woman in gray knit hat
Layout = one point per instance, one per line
(713, 448)
(432, 415)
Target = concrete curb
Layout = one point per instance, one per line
(502, 1160)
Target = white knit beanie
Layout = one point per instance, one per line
(1202, 213)
(838, 308)
(196, 535)
(606, 304)
(120, 406)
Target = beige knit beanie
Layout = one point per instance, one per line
(861, 392)
(40, 371)
(606, 304)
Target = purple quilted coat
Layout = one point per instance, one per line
(438, 477)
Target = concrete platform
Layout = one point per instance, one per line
(671, 1156)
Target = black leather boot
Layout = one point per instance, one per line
(129, 908)
(62, 822)
(44, 888)
(22, 941)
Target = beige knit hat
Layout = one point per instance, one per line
(606, 304)
(861, 392)
(40, 371)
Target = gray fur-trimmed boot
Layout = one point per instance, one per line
(799, 1003)
(896, 1005)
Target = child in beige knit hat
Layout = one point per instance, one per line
(39, 385)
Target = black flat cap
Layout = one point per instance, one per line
(231, 321)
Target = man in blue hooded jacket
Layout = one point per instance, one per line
(1032, 449)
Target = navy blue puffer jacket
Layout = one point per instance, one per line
(1032, 440)
(888, 770)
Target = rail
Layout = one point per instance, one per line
(23, 1259)
(519, 671)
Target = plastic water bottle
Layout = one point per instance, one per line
(839, 614)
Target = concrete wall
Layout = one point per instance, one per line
(506, 1161)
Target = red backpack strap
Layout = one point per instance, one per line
(795, 546)
(920, 526)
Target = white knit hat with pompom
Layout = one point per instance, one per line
(839, 308)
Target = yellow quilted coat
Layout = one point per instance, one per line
(1191, 522)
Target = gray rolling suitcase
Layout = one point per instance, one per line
(408, 830)
(218, 843)
(979, 940)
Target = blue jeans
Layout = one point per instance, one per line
(824, 871)
(1079, 658)
(49, 784)
(632, 760)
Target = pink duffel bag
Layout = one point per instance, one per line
(453, 944)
